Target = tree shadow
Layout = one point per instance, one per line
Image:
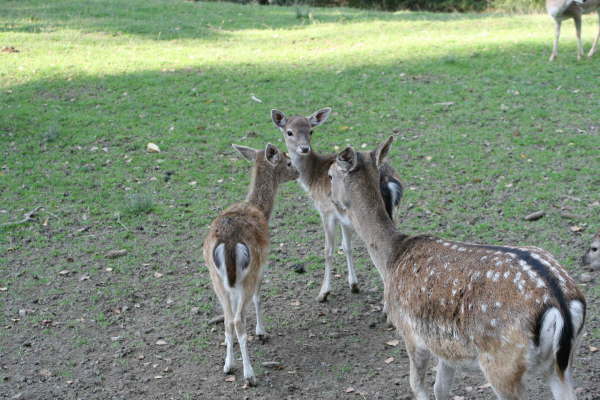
(185, 20)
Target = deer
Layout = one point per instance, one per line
(509, 310)
(592, 256)
(560, 10)
(236, 249)
(312, 167)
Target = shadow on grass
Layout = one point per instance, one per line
(195, 114)
(178, 19)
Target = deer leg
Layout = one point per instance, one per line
(562, 389)
(347, 246)
(260, 330)
(558, 23)
(443, 380)
(577, 19)
(593, 49)
(239, 322)
(506, 378)
(228, 322)
(329, 224)
(418, 358)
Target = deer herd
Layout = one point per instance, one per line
(510, 311)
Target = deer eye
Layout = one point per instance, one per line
(289, 163)
(594, 249)
(290, 133)
(330, 177)
(310, 133)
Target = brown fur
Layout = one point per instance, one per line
(246, 224)
(313, 168)
(591, 257)
(459, 301)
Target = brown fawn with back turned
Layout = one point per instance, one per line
(312, 166)
(235, 249)
(510, 310)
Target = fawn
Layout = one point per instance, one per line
(508, 310)
(236, 248)
(592, 257)
(560, 10)
(312, 166)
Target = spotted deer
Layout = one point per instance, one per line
(312, 166)
(510, 310)
(592, 257)
(236, 247)
(560, 10)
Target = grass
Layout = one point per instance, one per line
(487, 132)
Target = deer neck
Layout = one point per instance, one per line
(377, 230)
(311, 167)
(263, 188)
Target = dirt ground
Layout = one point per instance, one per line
(156, 343)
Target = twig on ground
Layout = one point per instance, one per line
(28, 217)
(216, 320)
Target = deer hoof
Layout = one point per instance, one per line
(322, 297)
(354, 288)
(250, 381)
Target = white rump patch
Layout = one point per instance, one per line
(552, 325)
(396, 191)
(576, 309)
(242, 255)
(219, 260)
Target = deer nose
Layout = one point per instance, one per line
(303, 149)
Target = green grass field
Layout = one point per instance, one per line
(487, 131)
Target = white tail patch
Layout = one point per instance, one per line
(552, 326)
(395, 191)
(577, 313)
(219, 259)
(242, 260)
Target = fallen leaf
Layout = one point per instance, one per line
(593, 349)
(445, 103)
(161, 342)
(576, 228)
(3, 289)
(152, 148)
(116, 253)
(393, 343)
(158, 377)
(193, 183)
(350, 390)
(230, 378)
(84, 278)
(389, 360)
(45, 372)
(487, 385)
(344, 128)
(158, 275)
(9, 49)
(256, 99)
(109, 269)
(64, 272)
(295, 303)
(458, 398)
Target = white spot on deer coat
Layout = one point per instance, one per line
(484, 307)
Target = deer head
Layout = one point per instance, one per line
(297, 131)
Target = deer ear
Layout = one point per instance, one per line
(272, 154)
(381, 152)
(319, 117)
(347, 160)
(278, 118)
(247, 152)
